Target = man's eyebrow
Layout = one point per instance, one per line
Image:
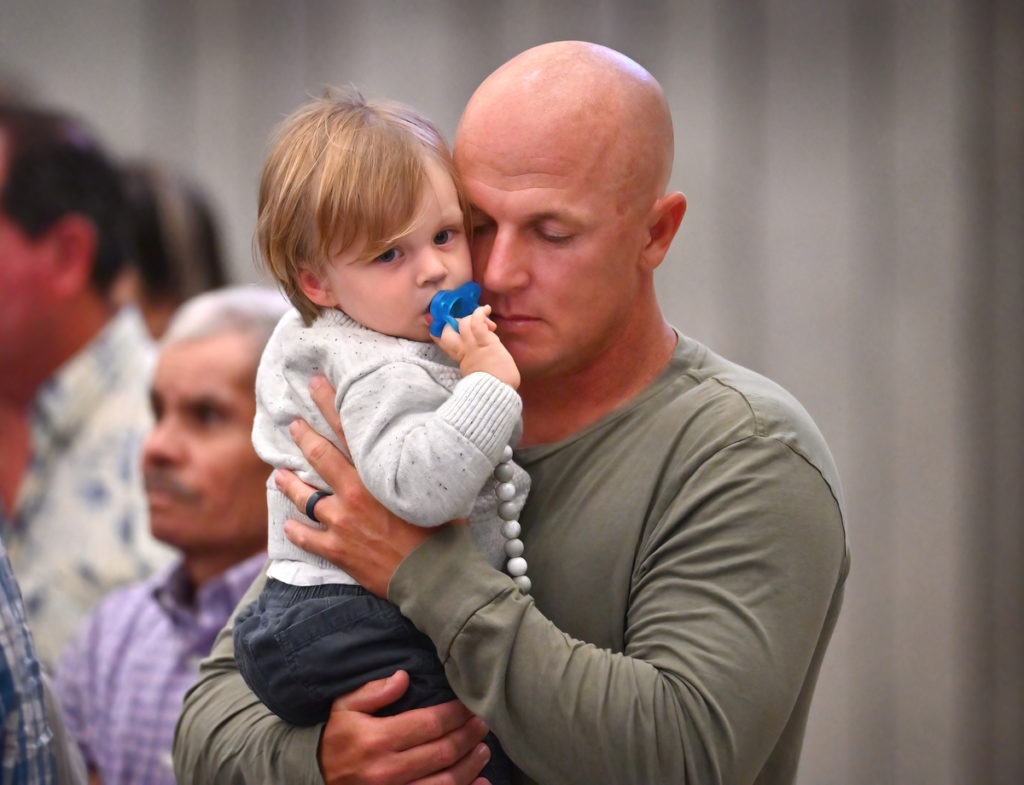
(208, 399)
(532, 219)
(546, 215)
(560, 216)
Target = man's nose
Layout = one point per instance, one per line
(502, 263)
(161, 445)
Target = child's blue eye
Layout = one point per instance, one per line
(388, 256)
(443, 237)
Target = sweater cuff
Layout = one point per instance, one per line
(443, 583)
(485, 410)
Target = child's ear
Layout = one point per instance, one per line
(316, 289)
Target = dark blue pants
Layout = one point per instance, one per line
(300, 647)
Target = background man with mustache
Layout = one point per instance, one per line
(122, 679)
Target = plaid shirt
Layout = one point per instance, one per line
(27, 743)
(80, 526)
(122, 680)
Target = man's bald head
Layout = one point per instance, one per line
(580, 98)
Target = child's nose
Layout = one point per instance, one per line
(433, 267)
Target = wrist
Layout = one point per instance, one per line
(441, 584)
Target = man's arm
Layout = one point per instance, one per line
(734, 592)
(727, 621)
(226, 735)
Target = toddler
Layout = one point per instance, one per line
(362, 221)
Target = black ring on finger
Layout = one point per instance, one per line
(311, 503)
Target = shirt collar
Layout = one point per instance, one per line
(216, 598)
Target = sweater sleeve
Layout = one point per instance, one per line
(226, 736)
(423, 452)
(733, 586)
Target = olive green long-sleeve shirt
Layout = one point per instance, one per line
(687, 554)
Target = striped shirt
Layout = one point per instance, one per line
(28, 757)
(122, 679)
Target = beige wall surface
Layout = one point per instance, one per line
(854, 175)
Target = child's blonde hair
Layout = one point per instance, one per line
(342, 170)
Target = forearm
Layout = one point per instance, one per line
(554, 702)
(225, 735)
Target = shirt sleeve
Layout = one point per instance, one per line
(71, 684)
(728, 612)
(422, 451)
(226, 736)
(26, 742)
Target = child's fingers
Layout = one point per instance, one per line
(449, 340)
(485, 312)
(478, 325)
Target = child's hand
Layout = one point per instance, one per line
(475, 347)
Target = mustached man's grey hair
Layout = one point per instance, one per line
(251, 310)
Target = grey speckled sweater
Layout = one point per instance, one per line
(424, 440)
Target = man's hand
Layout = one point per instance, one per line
(439, 745)
(475, 347)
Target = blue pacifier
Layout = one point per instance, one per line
(451, 304)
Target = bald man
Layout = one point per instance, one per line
(685, 527)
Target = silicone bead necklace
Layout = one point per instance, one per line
(445, 308)
(510, 527)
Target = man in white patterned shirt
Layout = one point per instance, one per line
(74, 373)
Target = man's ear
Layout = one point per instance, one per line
(315, 288)
(663, 223)
(71, 244)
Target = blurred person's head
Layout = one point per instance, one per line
(16, 87)
(62, 243)
(175, 243)
(205, 484)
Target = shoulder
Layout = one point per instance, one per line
(347, 353)
(704, 403)
(733, 448)
(107, 632)
(744, 404)
(122, 608)
(116, 392)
